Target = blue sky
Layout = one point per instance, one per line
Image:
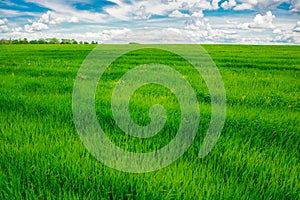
(154, 21)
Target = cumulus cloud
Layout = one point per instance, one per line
(35, 26)
(260, 22)
(125, 10)
(141, 13)
(243, 6)
(3, 21)
(170, 35)
(263, 21)
(201, 5)
(73, 20)
(277, 31)
(107, 35)
(52, 18)
(215, 4)
(284, 38)
(268, 4)
(45, 20)
(226, 5)
(261, 5)
(198, 14)
(18, 29)
(167, 35)
(3, 25)
(178, 14)
(295, 6)
(297, 27)
(200, 30)
(4, 28)
(196, 24)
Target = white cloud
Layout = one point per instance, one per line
(195, 24)
(4, 28)
(226, 5)
(125, 10)
(295, 6)
(260, 22)
(244, 6)
(52, 18)
(268, 4)
(3, 25)
(297, 27)
(141, 13)
(167, 35)
(48, 18)
(178, 14)
(18, 29)
(201, 4)
(35, 26)
(198, 14)
(263, 21)
(284, 38)
(215, 4)
(170, 35)
(244, 26)
(277, 31)
(74, 20)
(3, 21)
(39, 26)
(261, 5)
(105, 35)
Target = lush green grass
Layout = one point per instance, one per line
(256, 157)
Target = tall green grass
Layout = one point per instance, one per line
(256, 157)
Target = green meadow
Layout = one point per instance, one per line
(256, 156)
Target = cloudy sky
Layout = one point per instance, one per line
(154, 21)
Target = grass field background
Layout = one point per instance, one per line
(256, 157)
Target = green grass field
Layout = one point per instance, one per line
(256, 157)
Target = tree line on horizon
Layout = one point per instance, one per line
(44, 41)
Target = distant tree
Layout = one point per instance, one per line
(4, 41)
(25, 41)
(33, 42)
(134, 43)
(15, 41)
(52, 41)
(42, 41)
(7, 41)
(66, 41)
(73, 41)
(93, 42)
